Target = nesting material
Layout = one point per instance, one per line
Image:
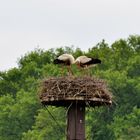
(62, 91)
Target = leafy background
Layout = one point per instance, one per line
(22, 117)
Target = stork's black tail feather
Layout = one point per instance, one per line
(93, 61)
(96, 61)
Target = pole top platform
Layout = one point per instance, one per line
(87, 91)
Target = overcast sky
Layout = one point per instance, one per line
(26, 24)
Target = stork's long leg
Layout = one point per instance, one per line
(62, 70)
(70, 70)
(86, 70)
(81, 69)
(89, 72)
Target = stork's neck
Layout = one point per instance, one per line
(77, 61)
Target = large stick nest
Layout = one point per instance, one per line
(62, 91)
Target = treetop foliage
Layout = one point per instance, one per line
(23, 118)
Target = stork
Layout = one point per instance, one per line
(86, 62)
(65, 60)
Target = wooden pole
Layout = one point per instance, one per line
(76, 122)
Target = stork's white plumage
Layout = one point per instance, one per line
(66, 60)
(86, 62)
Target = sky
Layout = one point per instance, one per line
(29, 24)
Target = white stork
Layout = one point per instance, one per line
(65, 60)
(86, 62)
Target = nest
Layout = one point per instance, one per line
(62, 91)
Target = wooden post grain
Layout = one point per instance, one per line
(76, 122)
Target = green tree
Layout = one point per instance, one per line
(46, 127)
(21, 115)
(127, 127)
